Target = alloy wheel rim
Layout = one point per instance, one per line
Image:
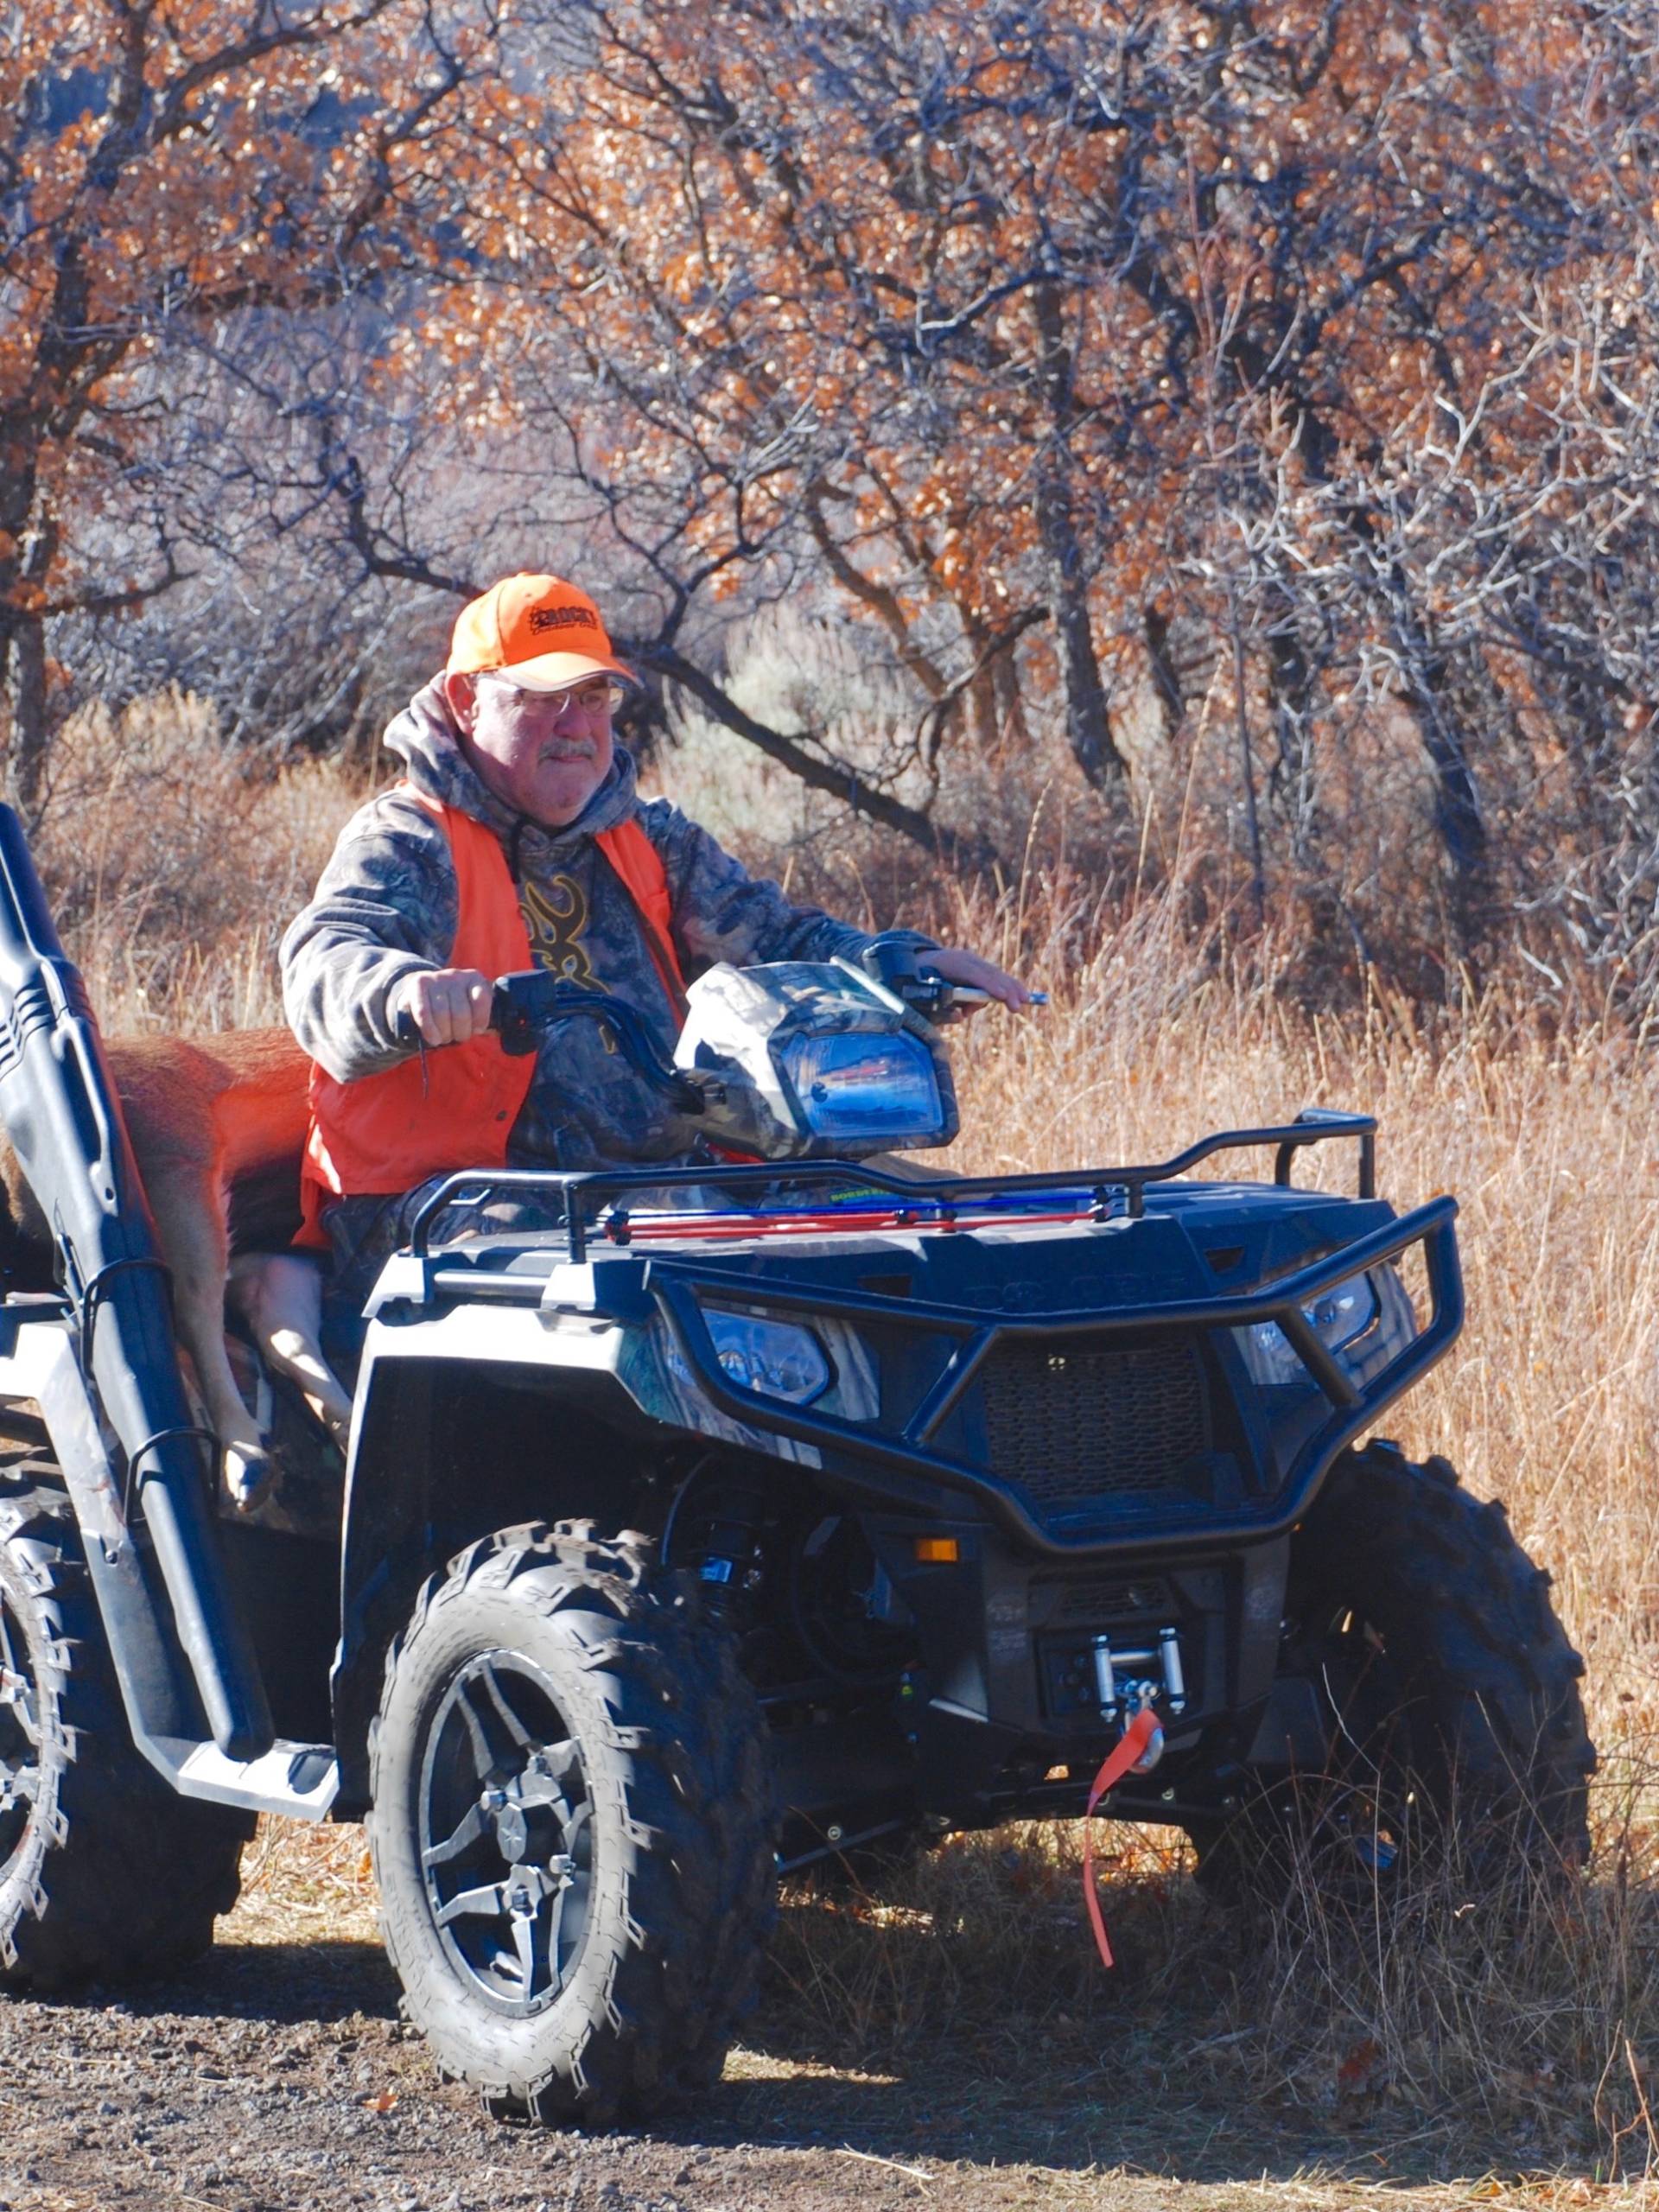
(504, 1833)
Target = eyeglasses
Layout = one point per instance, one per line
(593, 695)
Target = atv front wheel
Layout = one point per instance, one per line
(1447, 1691)
(571, 1827)
(105, 1873)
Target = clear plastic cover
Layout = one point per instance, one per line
(857, 1085)
(774, 1356)
(1340, 1315)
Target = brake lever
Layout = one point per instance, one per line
(946, 997)
(893, 961)
(405, 1030)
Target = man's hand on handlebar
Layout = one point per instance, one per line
(974, 974)
(441, 1006)
(449, 1006)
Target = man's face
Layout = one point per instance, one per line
(545, 752)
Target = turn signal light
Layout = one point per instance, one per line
(938, 1551)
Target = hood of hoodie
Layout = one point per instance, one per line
(426, 738)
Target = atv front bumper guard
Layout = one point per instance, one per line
(679, 1289)
(902, 1458)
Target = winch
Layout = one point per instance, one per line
(1088, 1676)
(1111, 1693)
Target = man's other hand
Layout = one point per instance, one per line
(968, 967)
(447, 1004)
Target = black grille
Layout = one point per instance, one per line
(1148, 1593)
(1070, 1422)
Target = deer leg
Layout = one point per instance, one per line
(280, 1295)
(190, 1228)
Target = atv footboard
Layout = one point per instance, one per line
(101, 1362)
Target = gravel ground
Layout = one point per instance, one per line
(275, 2076)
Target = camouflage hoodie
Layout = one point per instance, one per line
(387, 905)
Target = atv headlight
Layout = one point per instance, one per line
(855, 1084)
(773, 1358)
(1340, 1316)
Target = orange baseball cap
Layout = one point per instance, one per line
(539, 631)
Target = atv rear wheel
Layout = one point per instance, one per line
(572, 1826)
(1448, 1694)
(106, 1874)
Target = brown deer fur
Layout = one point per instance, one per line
(213, 1119)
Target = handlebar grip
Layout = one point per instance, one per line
(405, 1029)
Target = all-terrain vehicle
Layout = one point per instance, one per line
(702, 1522)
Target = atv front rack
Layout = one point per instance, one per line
(600, 1199)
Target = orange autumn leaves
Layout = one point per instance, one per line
(1026, 332)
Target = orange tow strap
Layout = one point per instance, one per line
(1136, 1737)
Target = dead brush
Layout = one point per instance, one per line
(1506, 2001)
(173, 860)
(982, 1938)
(1488, 2012)
(303, 1884)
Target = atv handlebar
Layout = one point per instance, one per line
(523, 1004)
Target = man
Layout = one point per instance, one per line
(516, 838)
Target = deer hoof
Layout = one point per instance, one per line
(248, 1472)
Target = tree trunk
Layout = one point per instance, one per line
(982, 692)
(1293, 785)
(1011, 727)
(26, 757)
(1088, 724)
(1457, 818)
(1167, 681)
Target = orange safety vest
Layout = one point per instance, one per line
(388, 1132)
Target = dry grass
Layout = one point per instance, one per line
(173, 861)
(1530, 2024)
(300, 1884)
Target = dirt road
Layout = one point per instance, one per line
(275, 2077)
